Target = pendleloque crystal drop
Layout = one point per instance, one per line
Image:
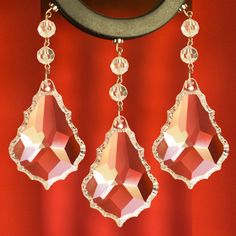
(191, 146)
(46, 28)
(189, 54)
(47, 146)
(119, 65)
(190, 28)
(120, 184)
(118, 92)
(45, 55)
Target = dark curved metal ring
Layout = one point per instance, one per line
(110, 28)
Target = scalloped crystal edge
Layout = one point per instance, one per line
(202, 97)
(122, 220)
(57, 96)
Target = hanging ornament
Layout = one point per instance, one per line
(119, 183)
(190, 146)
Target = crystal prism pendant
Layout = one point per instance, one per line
(47, 146)
(190, 146)
(120, 184)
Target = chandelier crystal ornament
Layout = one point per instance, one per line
(120, 184)
(47, 147)
(190, 146)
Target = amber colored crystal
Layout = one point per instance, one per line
(46, 148)
(120, 185)
(191, 146)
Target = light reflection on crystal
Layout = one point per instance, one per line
(118, 175)
(191, 147)
(189, 54)
(47, 148)
(45, 55)
(120, 123)
(119, 65)
(120, 184)
(118, 92)
(190, 28)
(46, 28)
(190, 85)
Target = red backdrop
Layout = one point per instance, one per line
(82, 76)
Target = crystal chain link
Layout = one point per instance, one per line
(119, 51)
(189, 14)
(119, 66)
(46, 29)
(189, 54)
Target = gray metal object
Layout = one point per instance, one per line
(110, 28)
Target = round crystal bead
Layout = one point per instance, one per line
(118, 92)
(46, 28)
(190, 28)
(45, 55)
(189, 54)
(119, 65)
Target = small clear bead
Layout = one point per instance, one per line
(46, 28)
(189, 54)
(45, 55)
(118, 92)
(119, 65)
(190, 28)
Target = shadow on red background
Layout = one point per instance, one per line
(82, 76)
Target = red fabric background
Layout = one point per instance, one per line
(82, 76)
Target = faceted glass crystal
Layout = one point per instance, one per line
(119, 65)
(191, 146)
(120, 184)
(118, 92)
(46, 28)
(190, 28)
(189, 54)
(47, 147)
(45, 55)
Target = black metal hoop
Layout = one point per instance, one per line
(110, 28)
